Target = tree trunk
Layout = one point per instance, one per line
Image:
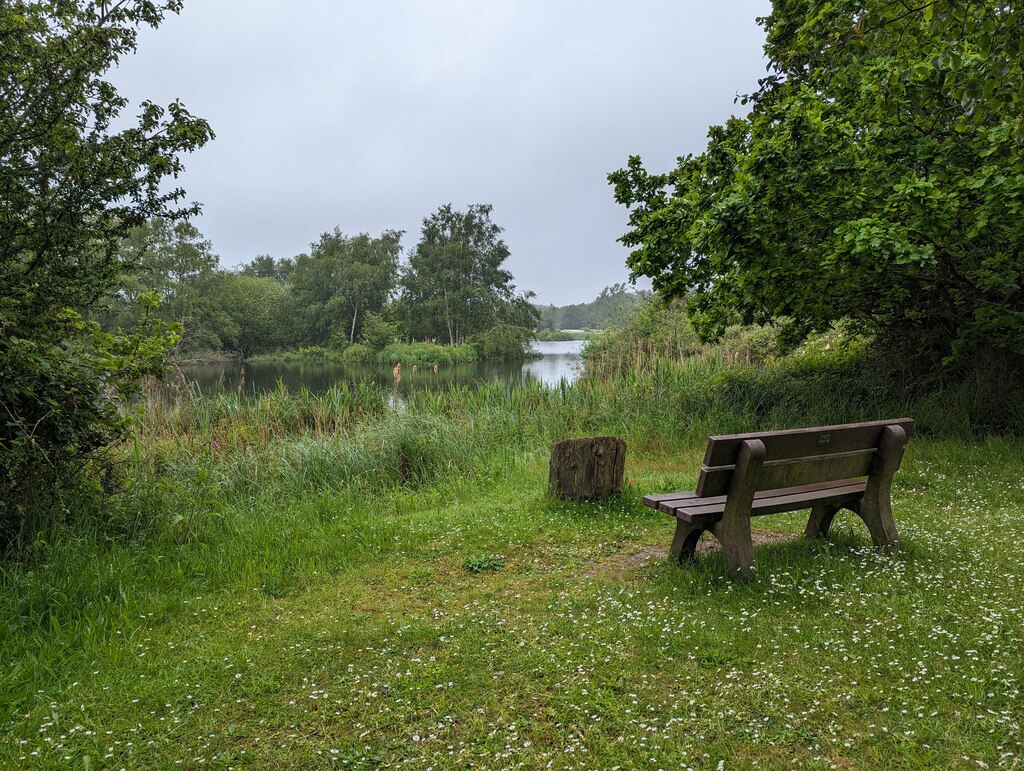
(587, 469)
(448, 318)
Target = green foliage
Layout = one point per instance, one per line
(72, 187)
(978, 54)
(192, 504)
(342, 279)
(378, 331)
(175, 261)
(65, 394)
(609, 308)
(422, 354)
(550, 335)
(482, 563)
(455, 286)
(303, 353)
(357, 353)
(265, 266)
(653, 329)
(878, 178)
(504, 341)
(427, 353)
(748, 379)
(249, 313)
(338, 294)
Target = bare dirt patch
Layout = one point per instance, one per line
(634, 555)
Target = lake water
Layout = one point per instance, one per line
(558, 361)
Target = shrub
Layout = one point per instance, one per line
(504, 341)
(357, 353)
(427, 353)
(378, 332)
(75, 178)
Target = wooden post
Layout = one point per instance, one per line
(587, 469)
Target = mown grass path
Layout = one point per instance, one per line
(575, 653)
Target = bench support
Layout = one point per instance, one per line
(820, 521)
(876, 506)
(684, 542)
(733, 529)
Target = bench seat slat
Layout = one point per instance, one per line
(703, 510)
(669, 502)
(654, 499)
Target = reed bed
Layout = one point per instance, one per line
(662, 402)
(180, 410)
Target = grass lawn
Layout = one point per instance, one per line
(477, 624)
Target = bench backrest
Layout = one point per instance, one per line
(798, 457)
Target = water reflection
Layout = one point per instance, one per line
(558, 361)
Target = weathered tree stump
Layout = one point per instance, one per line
(587, 469)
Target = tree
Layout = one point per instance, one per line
(251, 312)
(378, 331)
(612, 305)
(265, 266)
(172, 259)
(607, 309)
(455, 286)
(878, 177)
(71, 189)
(549, 318)
(342, 279)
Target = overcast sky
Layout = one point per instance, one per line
(368, 116)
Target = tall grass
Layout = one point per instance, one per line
(184, 412)
(661, 403)
(746, 381)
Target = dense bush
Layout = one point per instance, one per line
(504, 341)
(427, 353)
(747, 380)
(379, 331)
(357, 353)
(65, 395)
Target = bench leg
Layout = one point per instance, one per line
(733, 529)
(737, 545)
(684, 543)
(877, 515)
(876, 505)
(820, 521)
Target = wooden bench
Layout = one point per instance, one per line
(823, 469)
